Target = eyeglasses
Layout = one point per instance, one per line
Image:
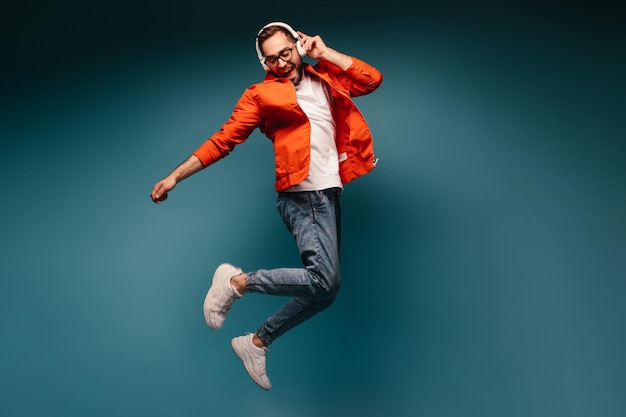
(285, 55)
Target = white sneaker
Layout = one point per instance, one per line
(253, 359)
(221, 296)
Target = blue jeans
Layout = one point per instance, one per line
(314, 219)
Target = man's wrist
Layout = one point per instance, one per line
(337, 58)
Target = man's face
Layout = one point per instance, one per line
(279, 46)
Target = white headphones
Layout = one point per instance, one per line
(299, 46)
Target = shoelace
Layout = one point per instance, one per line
(259, 358)
(259, 366)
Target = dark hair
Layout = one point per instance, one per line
(270, 31)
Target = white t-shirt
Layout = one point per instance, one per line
(316, 102)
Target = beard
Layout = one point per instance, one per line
(291, 71)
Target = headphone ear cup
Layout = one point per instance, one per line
(300, 48)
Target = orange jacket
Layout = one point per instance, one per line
(272, 107)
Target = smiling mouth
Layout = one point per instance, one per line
(285, 72)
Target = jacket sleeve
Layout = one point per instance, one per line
(244, 119)
(359, 79)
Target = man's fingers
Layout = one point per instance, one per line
(158, 194)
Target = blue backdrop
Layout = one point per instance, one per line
(483, 258)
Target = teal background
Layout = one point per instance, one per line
(484, 270)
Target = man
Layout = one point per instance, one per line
(321, 141)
